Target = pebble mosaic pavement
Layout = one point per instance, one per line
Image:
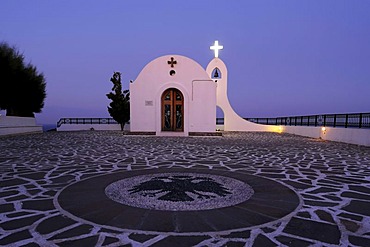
(332, 179)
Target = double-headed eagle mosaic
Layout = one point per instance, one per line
(180, 188)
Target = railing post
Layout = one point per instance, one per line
(346, 124)
(324, 120)
(315, 120)
(335, 120)
(360, 121)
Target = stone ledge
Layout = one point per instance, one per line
(19, 130)
(139, 133)
(205, 134)
(10, 125)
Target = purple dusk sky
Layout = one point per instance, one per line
(284, 57)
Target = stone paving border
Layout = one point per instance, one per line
(86, 200)
(333, 180)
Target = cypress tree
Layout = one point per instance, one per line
(119, 108)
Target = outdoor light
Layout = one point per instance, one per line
(323, 129)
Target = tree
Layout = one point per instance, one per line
(119, 108)
(22, 87)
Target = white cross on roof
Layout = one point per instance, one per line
(216, 48)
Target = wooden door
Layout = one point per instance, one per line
(172, 110)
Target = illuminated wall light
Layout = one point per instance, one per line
(323, 129)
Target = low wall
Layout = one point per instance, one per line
(347, 135)
(314, 132)
(18, 125)
(80, 127)
(220, 127)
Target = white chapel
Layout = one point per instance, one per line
(175, 96)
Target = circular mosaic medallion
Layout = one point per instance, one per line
(179, 191)
(178, 201)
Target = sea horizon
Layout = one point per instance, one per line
(48, 127)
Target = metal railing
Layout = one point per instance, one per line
(353, 120)
(85, 121)
(220, 121)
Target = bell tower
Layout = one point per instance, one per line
(217, 71)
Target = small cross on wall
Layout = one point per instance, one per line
(172, 62)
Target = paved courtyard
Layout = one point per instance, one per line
(63, 189)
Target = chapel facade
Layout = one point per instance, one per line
(175, 96)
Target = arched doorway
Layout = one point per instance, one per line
(172, 110)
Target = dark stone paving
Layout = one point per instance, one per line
(331, 179)
(270, 202)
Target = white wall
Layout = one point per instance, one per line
(191, 79)
(346, 135)
(18, 125)
(314, 132)
(203, 105)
